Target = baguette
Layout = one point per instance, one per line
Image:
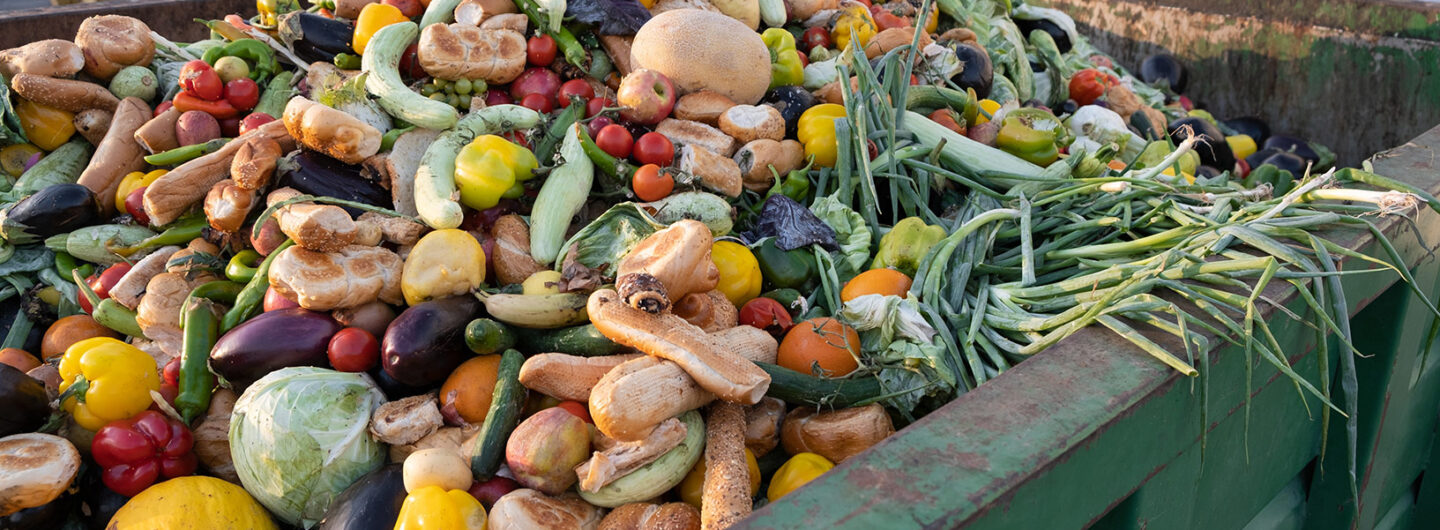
(568, 376)
(761, 160)
(335, 133)
(64, 94)
(131, 286)
(175, 192)
(726, 496)
(456, 51)
(254, 162)
(647, 516)
(158, 134)
(515, 22)
(317, 227)
(227, 205)
(704, 106)
(476, 12)
(118, 154)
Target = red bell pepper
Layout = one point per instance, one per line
(220, 109)
(766, 314)
(135, 453)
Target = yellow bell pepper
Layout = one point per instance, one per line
(854, 25)
(103, 380)
(491, 167)
(433, 508)
(816, 129)
(795, 472)
(740, 274)
(693, 486)
(371, 19)
(990, 106)
(46, 127)
(134, 181)
(444, 263)
(1242, 145)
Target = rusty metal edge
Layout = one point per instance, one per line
(171, 18)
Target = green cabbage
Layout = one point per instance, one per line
(299, 437)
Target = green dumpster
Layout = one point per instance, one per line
(1094, 433)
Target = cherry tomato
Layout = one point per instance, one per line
(161, 108)
(654, 148)
(353, 350)
(243, 93)
(599, 123)
(538, 103)
(615, 140)
(135, 206)
(255, 119)
(410, 63)
(578, 409)
(946, 117)
(1089, 84)
(274, 300)
(652, 185)
(229, 127)
(518, 138)
(171, 373)
(594, 106)
(576, 88)
(814, 37)
(201, 81)
(540, 51)
(101, 283)
(766, 314)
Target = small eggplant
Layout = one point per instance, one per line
(26, 407)
(1164, 67)
(274, 340)
(1206, 172)
(1062, 39)
(1291, 144)
(427, 341)
(371, 503)
(314, 37)
(1251, 126)
(1213, 150)
(791, 101)
(1258, 157)
(1291, 162)
(976, 70)
(55, 209)
(320, 175)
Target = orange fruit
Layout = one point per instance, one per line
(70, 330)
(823, 341)
(470, 388)
(19, 359)
(876, 281)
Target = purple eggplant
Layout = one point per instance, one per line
(274, 340)
(427, 341)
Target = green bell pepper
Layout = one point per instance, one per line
(794, 269)
(1031, 134)
(257, 55)
(906, 244)
(785, 66)
(795, 185)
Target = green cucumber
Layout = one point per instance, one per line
(583, 340)
(560, 198)
(659, 476)
(504, 415)
(488, 337)
(796, 388)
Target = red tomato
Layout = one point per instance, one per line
(814, 37)
(101, 283)
(947, 117)
(654, 148)
(201, 81)
(650, 184)
(576, 88)
(161, 108)
(410, 63)
(615, 140)
(538, 103)
(594, 106)
(171, 373)
(135, 205)
(498, 96)
(886, 20)
(1089, 84)
(255, 119)
(578, 409)
(242, 93)
(229, 127)
(409, 8)
(540, 51)
(353, 350)
(274, 300)
(597, 124)
(766, 314)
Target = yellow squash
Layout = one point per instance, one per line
(192, 503)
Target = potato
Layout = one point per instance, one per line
(436, 467)
(195, 127)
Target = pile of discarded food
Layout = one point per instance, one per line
(604, 263)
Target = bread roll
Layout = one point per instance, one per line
(747, 123)
(646, 516)
(352, 276)
(527, 509)
(112, 42)
(335, 133)
(456, 51)
(704, 106)
(50, 57)
(700, 50)
(835, 435)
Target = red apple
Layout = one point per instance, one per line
(542, 81)
(135, 206)
(489, 491)
(274, 300)
(647, 96)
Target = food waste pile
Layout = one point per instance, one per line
(452, 264)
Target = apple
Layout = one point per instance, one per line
(536, 80)
(489, 491)
(275, 301)
(647, 96)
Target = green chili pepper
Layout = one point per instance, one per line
(545, 148)
(387, 141)
(795, 185)
(347, 61)
(242, 266)
(785, 66)
(108, 312)
(259, 56)
(906, 244)
(247, 303)
(793, 301)
(213, 54)
(196, 382)
(219, 291)
(181, 155)
(1265, 174)
(785, 268)
(177, 233)
(608, 164)
(1031, 134)
(65, 265)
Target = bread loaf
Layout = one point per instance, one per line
(456, 51)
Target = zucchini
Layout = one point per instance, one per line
(435, 180)
(488, 337)
(277, 93)
(772, 12)
(381, 66)
(438, 12)
(926, 98)
(659, 476)
(560, 198)
(584, 340)
(61, 166)
(504, 415)
(803, 389)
